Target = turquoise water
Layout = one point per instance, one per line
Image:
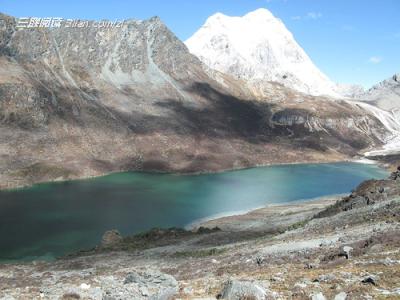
(50, 220)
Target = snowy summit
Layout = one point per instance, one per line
(258, 46)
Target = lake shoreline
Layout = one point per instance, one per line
(134, 203)
(235, 217)
(301, 248)
(362, 160)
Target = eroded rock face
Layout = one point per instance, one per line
(78, 102)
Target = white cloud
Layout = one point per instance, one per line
(375, 59)
(309, 16)
(313, 15)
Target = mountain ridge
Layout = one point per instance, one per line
(384, 94)
(86, 102)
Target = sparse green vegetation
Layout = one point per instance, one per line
(297, 225)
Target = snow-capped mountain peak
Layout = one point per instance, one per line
(258, 46)
(261, 14)
(385, 94)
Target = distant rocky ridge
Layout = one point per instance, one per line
(80, 102)
(384, 99)
(385, 95)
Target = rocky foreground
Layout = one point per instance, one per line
(329, 248)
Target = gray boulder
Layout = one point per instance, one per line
(111, 238)
(347, 250)
(237, 290)
(166, 285)
(341, 296)
(318, 296)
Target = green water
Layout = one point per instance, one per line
(50, 220)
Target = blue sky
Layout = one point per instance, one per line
(352, 41)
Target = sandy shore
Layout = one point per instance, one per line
(270, 216)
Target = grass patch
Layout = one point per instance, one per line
(297, 225)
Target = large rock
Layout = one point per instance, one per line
(238, 290)
(347, 251)
(341, 296)
(156, 286)
(111, 238)
(318, 296)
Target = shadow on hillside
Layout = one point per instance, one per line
(210, 114)
(223, 115)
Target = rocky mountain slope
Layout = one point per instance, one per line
(383, 101)
(257, 48)
(385, 95)
(79, 102)
(324, 249)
